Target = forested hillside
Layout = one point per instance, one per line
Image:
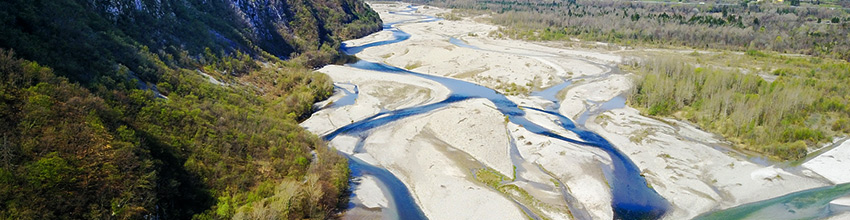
(169, 109)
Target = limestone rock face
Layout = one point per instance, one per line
(279, 27)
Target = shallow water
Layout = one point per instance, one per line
(461, 43)
(806, 204)
(348, 99)
(632, 198)
(617, 102)
(401, 204)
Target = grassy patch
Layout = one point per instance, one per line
(472, 73)
(513, 89)
(413, 65)
(449, 16)
(639, 135)
(489, 177)
(602, 119)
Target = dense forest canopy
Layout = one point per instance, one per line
(814, 28)
(169, 109)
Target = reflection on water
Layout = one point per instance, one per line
(806, 204)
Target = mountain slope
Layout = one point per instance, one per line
(171, 109)
(76, 36)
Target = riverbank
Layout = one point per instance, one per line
(437, 154)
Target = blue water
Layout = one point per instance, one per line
(806, 204)
(460, 43)
(348, 99)
(551, 92)
(615, 103)
(402, 204)
(398, 36)
(632, 198)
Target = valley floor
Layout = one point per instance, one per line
(438, 154)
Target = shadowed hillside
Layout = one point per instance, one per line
(122, 109)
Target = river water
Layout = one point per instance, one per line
(632, 198)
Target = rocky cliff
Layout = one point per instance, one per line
(78, 36)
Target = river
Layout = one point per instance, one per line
(632, 198)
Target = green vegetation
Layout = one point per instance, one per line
(814, 29)
(514, 171)
(805, 105)
(86, 139)
(602, 119)
(92, 38)
(519, 194)
(512, 89)
(413, 65)
(490, 177)
(495, 180)
(84, 155)
(638, 136)
(449, 16)
(761, 101)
